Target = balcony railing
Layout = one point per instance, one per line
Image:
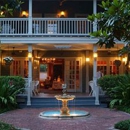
(45, 26)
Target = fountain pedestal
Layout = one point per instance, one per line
(65, 98)
(64, 111)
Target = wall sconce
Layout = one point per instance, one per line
(95, 55)
(29, 55)
(61, 14)
(24, 14)
(1, 14)
(124, 60)
(87, 59)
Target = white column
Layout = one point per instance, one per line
(29, 75)
(96, 88)
(30, 18)
(87, 72)
(94, 12)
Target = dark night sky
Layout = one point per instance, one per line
(52, 6)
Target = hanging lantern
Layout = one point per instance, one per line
(117, 63)
(8, 60)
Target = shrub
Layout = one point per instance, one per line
(123, 125)
(8, 92)
(108, 82)
(124, 108)
(118, 88)
(17, 81)
(4, 126)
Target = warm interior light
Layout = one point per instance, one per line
(95, 55)
(124, 60)
(29, 55)
(1, 13)
(24, 14)
(62, 13)
(48, 60)
(87, 59)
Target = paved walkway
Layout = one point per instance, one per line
(100, 119)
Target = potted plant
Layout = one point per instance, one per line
(8, 60)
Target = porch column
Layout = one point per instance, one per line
(94, 12)
(29, 74)
(87, 72)
(30, 18)
(95, 76)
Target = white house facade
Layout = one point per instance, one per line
(56, 35)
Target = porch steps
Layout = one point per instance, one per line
(40, 102)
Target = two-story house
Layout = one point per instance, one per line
(56, 35)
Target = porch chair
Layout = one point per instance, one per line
(101, 92)
(92, 92)
(26, 86)
(34, 85)
(6, 28)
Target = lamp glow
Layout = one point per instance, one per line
(24, 14)
(1, 13)
(62, 13)
(95, 55)
(87, 59)
(29, 55)
(124, 59)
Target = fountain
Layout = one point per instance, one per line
(64, 111)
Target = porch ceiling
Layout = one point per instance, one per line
(46, 46)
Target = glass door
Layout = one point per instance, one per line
(72, 74)
(19, 67)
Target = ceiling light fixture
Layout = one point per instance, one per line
(62, 46)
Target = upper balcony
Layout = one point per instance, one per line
(54, 27)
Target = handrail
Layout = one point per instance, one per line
(46, 26)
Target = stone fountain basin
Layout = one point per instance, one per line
(62, 97)
(56, 114)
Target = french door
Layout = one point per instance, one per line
(19, 67)
(108, 66)
(73, 74)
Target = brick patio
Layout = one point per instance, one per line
(99, 119)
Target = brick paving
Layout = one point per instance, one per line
(99, 119)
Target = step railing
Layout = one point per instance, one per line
(46, 26)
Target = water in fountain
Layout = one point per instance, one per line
(64, 112)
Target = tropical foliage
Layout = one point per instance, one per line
(8, 7)
(123, 125)
(113, 22)
(118, 88)
(8, 92)
(4, 126)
